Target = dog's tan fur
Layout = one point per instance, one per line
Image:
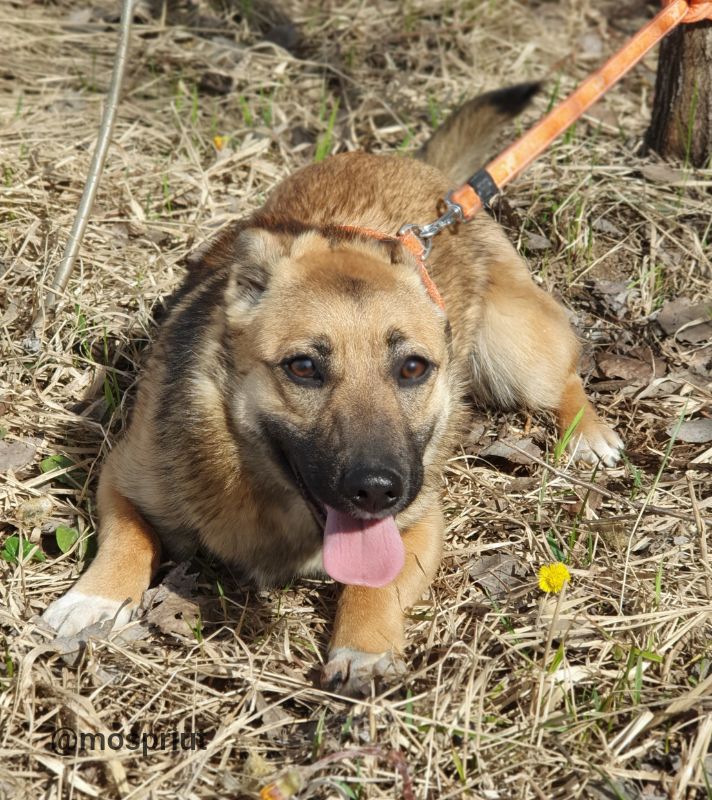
(201, 461)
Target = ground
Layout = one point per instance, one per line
(602, 691)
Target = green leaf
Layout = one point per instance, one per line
(347, 790)
(555, 549)
(52, 463)
(72, 478)
(9, 663)
(11, 548)
(649, 655)
(66, 537)
(556, 661)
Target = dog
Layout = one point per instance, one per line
(305, 391)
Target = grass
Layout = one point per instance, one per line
(325, 141)
(601, 691)
(565, 439)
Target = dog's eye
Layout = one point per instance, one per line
(303, 369)
(413, 369)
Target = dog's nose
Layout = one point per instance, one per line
(372, 490)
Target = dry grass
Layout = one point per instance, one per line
(603, 692)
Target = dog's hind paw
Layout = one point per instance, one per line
(350, 672)
(597, 441)
(75, 611)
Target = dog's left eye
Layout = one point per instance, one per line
(302, 369)
(413, 369)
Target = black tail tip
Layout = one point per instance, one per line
(514, 99)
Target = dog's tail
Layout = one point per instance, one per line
(460, 145)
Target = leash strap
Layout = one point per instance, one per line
(479, 190)
(464, 202)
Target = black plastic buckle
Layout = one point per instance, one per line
(484, 185)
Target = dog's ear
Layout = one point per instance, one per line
(213, 255)
(216, 253)
(255, 254)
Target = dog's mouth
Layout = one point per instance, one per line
(317, 509)
(361, 552)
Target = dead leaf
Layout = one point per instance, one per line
(663, 173)
(9, 315)
(170, 606)
(604, 226)
(613, 295)
(695, 431)
(497, 574)
(671, 384)
(589, 501)
(614, 533)
(535, 241)
(686, 321)
(285, 36)
(523, 484)
(119, 232)
(215, 83)
(70, 648)
(79, 20)
(589, 46)
(603, 114)
(476, 433)
(175, 615)
(501, 449)
(17, 453)
(701, 362)
(646, 355)
(273, 716)
(630, 369)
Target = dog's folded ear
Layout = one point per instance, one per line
(211, 257)
(216, 253)
(254, 257)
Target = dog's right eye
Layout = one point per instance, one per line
(302, 369)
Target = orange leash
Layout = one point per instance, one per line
(463, 203)
(698, 11)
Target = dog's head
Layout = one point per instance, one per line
(344, 369)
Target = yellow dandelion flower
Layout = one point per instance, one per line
(283, 788)
(219, 142)
(552, 577)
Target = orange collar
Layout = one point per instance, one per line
(414, 245)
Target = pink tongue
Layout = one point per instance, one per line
(364, 552)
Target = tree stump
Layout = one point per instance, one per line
(681, 125)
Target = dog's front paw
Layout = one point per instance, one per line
(597, 441)
(75, 611)
(350, 672)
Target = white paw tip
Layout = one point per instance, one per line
(75, 611)
(604, 444)
(350, 671)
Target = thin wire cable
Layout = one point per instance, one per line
(61, 277)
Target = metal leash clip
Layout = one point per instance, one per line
(425, 233)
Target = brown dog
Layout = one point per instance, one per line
(305, 391)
